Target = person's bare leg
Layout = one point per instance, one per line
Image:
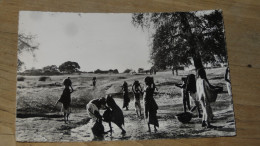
(65, 117)
(137, 114)
(123, 131)
(110, 126)
(149, 129)
(155, 130)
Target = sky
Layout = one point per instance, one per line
(94, 40)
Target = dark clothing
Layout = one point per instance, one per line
(98, 129)
(186, 103)
(185, 96)
(125, 95)
(97, 103)
(191, 83)
(65, 98)
(126, 100)
(137, 96)
(67, 82)
(94, 81)
(150, 106)
(116, 114)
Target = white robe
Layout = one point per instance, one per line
(206, 95)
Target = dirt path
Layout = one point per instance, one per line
(53, 128)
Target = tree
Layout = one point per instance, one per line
(127, 71)
(115, 71)
(25, 44)
(140, 70)
(52, 69)
(69, 67)
(181, 36)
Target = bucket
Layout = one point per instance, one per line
(184, 117)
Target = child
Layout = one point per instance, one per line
(65, 99)
(125, 94)
(94, 81)
(113, 114)
(185, 96)
(137, 90)
(150, 105)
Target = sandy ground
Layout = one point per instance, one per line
(36, 123)
(52, 127)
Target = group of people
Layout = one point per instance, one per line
(114, 114)
(199, 89)
(202, 93)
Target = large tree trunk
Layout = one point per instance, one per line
(197, 63)
(194, 43)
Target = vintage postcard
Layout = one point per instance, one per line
(122, 76)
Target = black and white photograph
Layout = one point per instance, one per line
(122, 76)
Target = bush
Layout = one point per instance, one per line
(127, 71)
(44, 79)
(20, 78)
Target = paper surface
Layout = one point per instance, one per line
(101, 51)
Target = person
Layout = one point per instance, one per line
(150, 105)
(93, 108)
(228, 83)
(65, 99)
(94, 81)
(192, 92)
(67, 82)
(137, 90)
(206, 93)
(125, 94)
(113, 114)
(185, 96)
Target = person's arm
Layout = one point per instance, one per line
(56, 103)
(133, 89)
(179, 85)
(155, 87)
(71, 88)
(211, 86)
(141, 89)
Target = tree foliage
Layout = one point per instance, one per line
(140, 70)
(127, 71)
(26, 43)
(50, 69)
(69, 67)
(182, 36)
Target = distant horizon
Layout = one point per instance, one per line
(94, 40)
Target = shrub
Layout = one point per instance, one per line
(44, 79)
(20, 78)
